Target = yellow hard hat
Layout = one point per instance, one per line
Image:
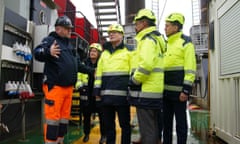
(175, 17)
(145, 13)
(96, 46)
(115, 27)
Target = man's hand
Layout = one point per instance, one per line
(55, 50)
(132, 86)
(183, 97)
(98, 98)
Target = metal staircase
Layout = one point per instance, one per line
(196, 12)
(106, 12)
(155, 9)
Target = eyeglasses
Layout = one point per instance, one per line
(113, 32)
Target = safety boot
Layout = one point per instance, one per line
(103, 140)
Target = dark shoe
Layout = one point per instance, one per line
(86, 138)
(103, 140)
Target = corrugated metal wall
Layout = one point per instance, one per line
(225, 70)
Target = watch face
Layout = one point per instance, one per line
(42, 17)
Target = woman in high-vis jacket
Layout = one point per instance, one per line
(88, 103)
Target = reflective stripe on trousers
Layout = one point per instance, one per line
(57, 108)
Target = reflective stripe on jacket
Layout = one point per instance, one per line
(112, 75)
(147, 65)
(179, 65)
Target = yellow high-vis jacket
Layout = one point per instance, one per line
(82, 80)
(147, 69)
(112, 75)
(179, 66)
(82, 86)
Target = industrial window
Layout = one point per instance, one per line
(229, 40)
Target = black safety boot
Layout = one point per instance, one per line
(86, 138)
(103, 140)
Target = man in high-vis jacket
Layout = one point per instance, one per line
(60, 75)
(111, 85)
(179, 72)
(146, 81)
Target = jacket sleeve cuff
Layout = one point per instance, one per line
(187, 89)
(135, 81)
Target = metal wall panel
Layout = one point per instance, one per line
(229, 41)
(13, 20)
(22, 7)
(40, 13)
(1, 25)
(40, 31)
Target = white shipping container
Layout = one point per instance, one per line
(225, 70)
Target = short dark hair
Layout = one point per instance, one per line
(176, 23)
(149, 21)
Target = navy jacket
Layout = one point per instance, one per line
(60, 71)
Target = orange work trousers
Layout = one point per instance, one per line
(57, 109)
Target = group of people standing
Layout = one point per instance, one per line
(156, 78)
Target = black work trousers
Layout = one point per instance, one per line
(177, 108)
(87, 112)
(123, 113)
